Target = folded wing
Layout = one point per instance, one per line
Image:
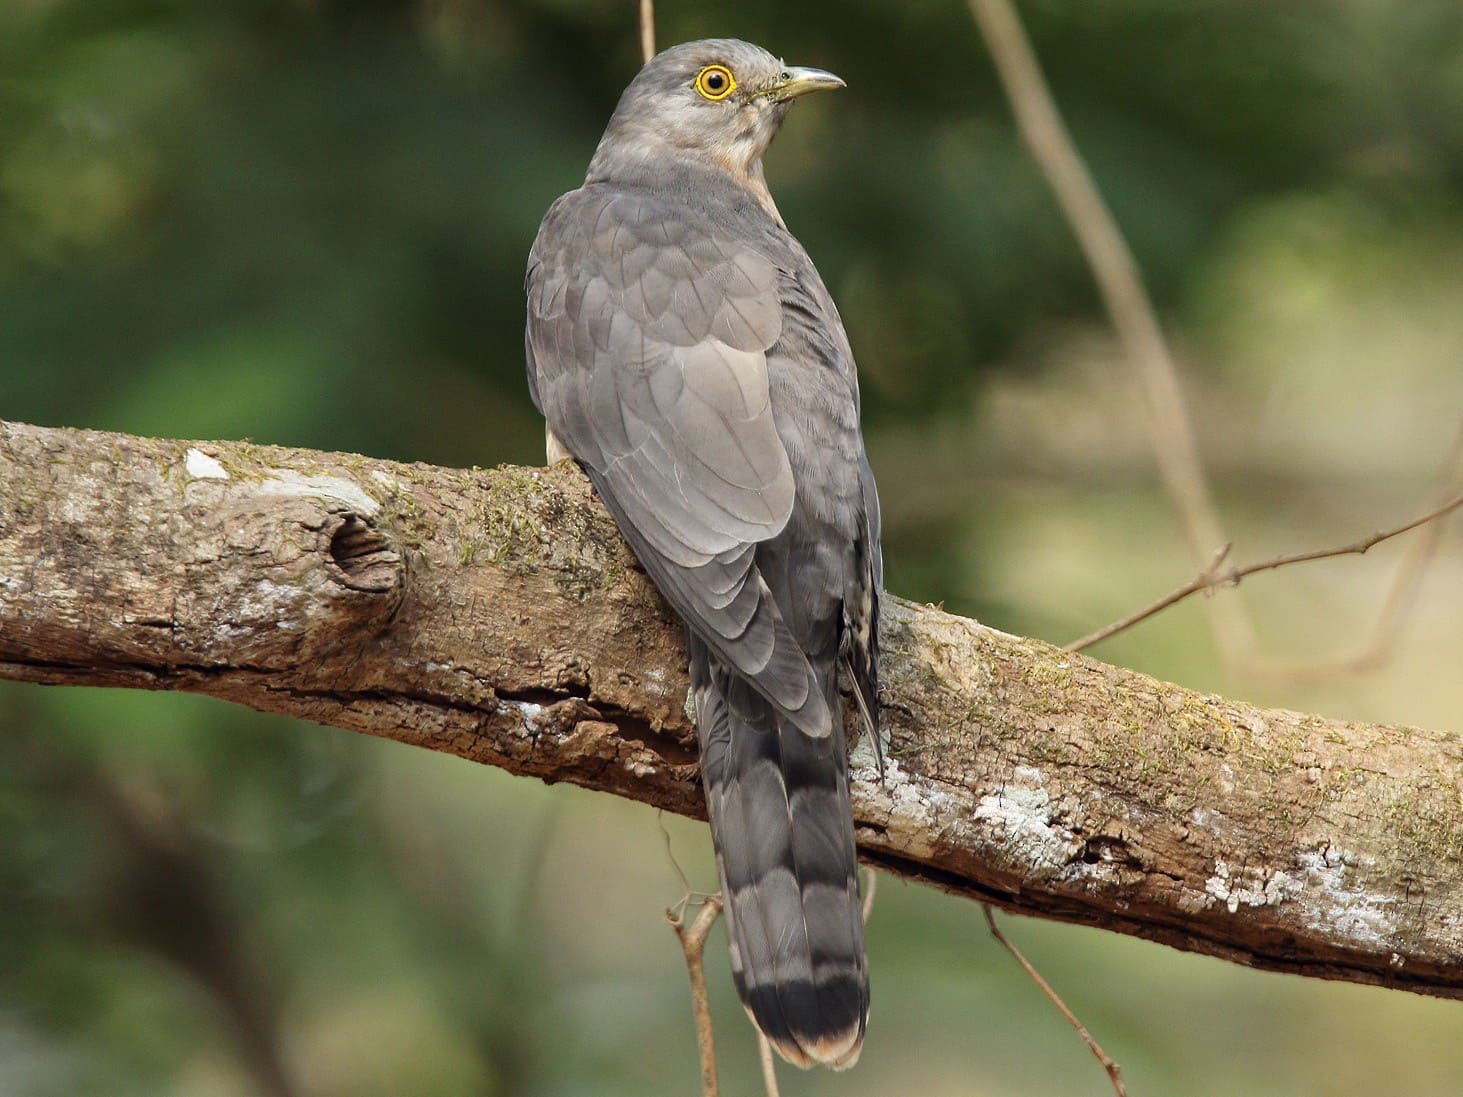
(648, 341)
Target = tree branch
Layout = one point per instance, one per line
(1135, 321)
(1114, 1072)
(498, 616)
(1113, 267)
(1217, 575)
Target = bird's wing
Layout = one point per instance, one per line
(814, 365)
(649, 329)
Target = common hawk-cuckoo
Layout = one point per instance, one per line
(685, 352)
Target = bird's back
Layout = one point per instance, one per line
(685, 351)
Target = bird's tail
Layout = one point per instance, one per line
(783, 830)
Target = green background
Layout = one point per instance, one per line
(306, 223)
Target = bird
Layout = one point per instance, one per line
(685, 352)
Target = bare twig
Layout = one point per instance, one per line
(1402, 594)
(1108, 1065)
(1217, 576)
(647, 30)
(690, 896)
(871, 879)
(769, 1064)
(1119, 283)
(693, 945)
(1135, 320)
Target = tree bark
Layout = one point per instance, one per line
(497, 615)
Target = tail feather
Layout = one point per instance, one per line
(783, 829)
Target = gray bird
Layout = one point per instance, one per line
(685, 352)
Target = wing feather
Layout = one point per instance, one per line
(692, 360)
(648, 344)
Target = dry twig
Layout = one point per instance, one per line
(1215, 575)
(1135, 320)
(647, 30)
(1108, 1065)
(769, 1065)
(693, 946)
(1118, 282)
(1401, 594)
(691, 896)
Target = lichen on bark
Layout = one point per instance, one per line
(497, 615)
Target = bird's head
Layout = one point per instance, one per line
(718, 101)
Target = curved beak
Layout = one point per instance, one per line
(795, 81)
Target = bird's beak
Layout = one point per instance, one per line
(794, 82)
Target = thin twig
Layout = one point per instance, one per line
(1113, 1073)
(647, 30)
(871, 880)
(1135, 320)
(1216, 576)
(769, 1064)
(693, 945)
(1206, 578)
(670, 854)
(691, 896)
(1401, 595)
(1120, 285)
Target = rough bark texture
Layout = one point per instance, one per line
(496, 614)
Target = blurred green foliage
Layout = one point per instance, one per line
(306, 223)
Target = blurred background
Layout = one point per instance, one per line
(306, 222)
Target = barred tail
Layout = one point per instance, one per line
(783, 829)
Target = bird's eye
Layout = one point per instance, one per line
(715, 82)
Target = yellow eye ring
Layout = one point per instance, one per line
(715, 82)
